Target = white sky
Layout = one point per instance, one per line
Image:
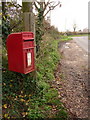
(72, 11)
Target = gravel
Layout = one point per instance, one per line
(72, 79)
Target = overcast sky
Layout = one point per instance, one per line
(72, 11)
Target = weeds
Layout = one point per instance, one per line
(31, 96)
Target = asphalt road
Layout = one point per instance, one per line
(83, 42)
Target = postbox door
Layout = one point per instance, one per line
(29, 59)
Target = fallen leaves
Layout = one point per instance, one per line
(5, 106)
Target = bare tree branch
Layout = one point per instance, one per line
(36, 6)
(15, 5)
(52, 8)
(46, 5)
(47, 13)
(38, 2)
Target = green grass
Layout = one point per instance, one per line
(65, 38)
(46, 65)
(78, 35)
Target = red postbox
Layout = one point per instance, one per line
(20, 49)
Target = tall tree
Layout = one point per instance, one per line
(43, 8)
(74, 27)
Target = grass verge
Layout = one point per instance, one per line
(78, 35)
(32, 96)
(65, 38)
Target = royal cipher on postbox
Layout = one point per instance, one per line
(20, 50)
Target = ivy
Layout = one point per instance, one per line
(39, 30)
(5, 29)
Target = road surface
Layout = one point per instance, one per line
(83, 42)
(73, 90)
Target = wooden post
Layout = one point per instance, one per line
(29, 19)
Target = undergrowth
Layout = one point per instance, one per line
(31, 95)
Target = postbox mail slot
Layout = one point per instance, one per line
(26, 40)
